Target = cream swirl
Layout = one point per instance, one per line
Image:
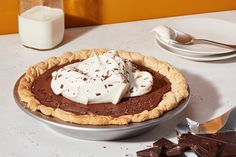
(106, 78)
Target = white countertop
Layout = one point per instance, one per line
(212, 84)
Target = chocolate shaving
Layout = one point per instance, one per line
(78, 70)
(131, 90)
(61, 86)
(59, 75)
(97, 94)
(108, 71)
(104, 77)
(85, 79)
(75, 69)
(107, 61)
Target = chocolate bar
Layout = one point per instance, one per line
(204, 145)
(165, 143)
(229, 137)
(177, 150)
(169, 148)
(163, 148)
(210, 145)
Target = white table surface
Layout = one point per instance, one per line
(212, 84)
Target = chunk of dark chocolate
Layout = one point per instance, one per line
(229, 142)
(228, 150)
(150, 152)
(169, 148)
(204, 145)
(207, 146)
(165, 143)
(211, 150)
(177, 150)
(229, 137)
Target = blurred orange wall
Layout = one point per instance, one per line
(93, 12)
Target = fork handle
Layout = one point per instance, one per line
(204, 41)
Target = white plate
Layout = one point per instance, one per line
(178, 52)
(208, 28)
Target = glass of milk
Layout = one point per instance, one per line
(41, 23)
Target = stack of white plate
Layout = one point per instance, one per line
(205, 28)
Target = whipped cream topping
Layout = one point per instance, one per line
(106, 78)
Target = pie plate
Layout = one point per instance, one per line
(95, 132)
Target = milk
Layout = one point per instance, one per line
(41, 27)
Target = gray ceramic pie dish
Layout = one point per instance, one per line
(91, 132)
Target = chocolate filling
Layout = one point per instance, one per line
(41, 88)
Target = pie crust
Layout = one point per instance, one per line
(179, 88)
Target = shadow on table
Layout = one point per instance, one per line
(203, 102)
(74, 33)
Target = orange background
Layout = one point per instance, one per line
(93, 12)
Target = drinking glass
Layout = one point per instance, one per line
(41, 23)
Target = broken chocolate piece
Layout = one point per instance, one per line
(169, 148)
(165, 143)
(228, 150)
(207, 146)
(211, 150)
(203, 146)
(177, 150)
(150, 152)
(229, 137)
(229, 142)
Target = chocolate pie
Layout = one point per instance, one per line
(143, 88)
